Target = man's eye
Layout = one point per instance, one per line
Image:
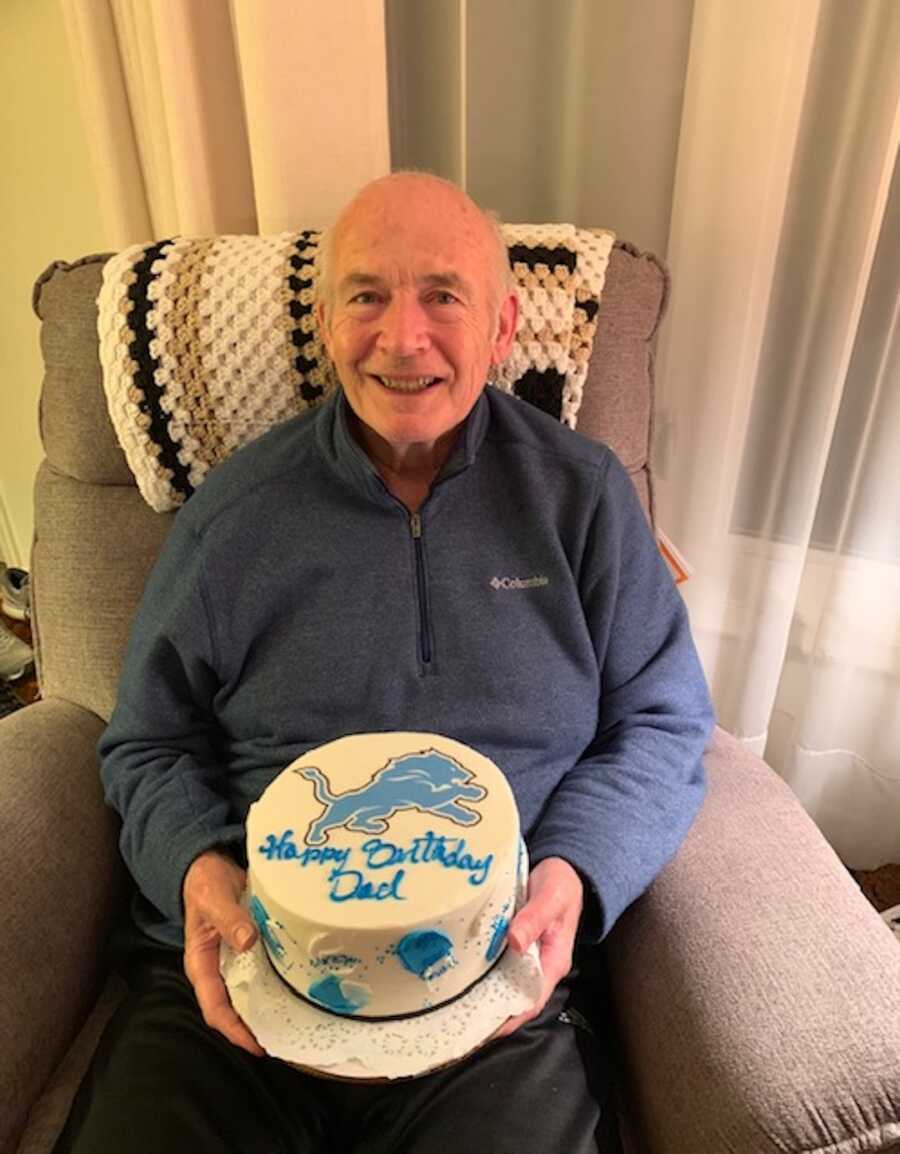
(364, 298)
(444, 298)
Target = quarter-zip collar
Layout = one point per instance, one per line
(350, 461)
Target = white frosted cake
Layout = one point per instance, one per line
(382, 872)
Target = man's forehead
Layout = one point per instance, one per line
(412, 229)
(440, 241)
(368, 277)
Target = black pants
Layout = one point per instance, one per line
(163, 1082)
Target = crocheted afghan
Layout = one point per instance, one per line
(207, 343)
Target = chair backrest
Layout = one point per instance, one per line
(95, 536)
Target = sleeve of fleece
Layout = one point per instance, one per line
(624, 809)
(157, 759)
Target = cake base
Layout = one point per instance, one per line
(328, 1045)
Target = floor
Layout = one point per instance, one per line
(881, 886)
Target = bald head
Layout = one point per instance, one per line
(384, 202)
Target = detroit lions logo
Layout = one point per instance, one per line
(430, 782)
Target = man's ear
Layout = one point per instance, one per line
(507, 320)
(322, 322)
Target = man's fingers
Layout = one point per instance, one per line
(239, 931)
(232, 924)
(217, 905)
(219, 1013)
(555, 894)
(557, 945)
(530, 922)
(556, 962)
(212, 913)
(550, 916)
(521, 931)
(201, 965)
(535, 917)
(212, 889)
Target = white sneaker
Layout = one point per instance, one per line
(892, 917)
(15, 593)
(16, 657)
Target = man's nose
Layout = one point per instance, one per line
(404, 328)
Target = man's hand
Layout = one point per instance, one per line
(212, 888)
(549, 917)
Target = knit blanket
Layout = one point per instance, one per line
(205, 343)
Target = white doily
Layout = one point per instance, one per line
(294, 1030)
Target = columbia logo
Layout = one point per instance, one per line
(519, 582)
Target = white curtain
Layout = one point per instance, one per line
(752, 143)
(779, 371)
(207, 117)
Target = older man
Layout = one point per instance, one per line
(335, 576)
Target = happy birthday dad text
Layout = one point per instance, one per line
(351, 884)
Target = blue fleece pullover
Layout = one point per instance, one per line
(525, 610)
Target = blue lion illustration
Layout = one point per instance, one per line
(429, 781)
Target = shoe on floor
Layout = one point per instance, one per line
(892, 917)
(15, 593)
(16, 657)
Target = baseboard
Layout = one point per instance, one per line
(9, 549)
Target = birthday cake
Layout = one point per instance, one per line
(382, 872)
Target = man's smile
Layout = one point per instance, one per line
(406, 384)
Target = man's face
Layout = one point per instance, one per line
(415, 318)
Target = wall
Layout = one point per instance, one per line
(48, 211)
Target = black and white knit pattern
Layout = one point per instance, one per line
(205, 343)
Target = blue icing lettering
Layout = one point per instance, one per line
(283, 848)
(350, 884)
(421, 950)
(427, 781)
(342, 998)
(501, 925)
(280, 848)
(260, 916)
(430, 847)
(379, 854)
(336, 962)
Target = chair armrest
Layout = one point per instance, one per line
(756, 992)
(61, 879)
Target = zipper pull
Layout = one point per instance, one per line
(415, 524)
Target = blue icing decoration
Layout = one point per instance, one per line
(501, 925)
(261, 917)
(421, 950)
(427, 781)
(330, 993)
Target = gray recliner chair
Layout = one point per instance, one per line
(756, 994)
